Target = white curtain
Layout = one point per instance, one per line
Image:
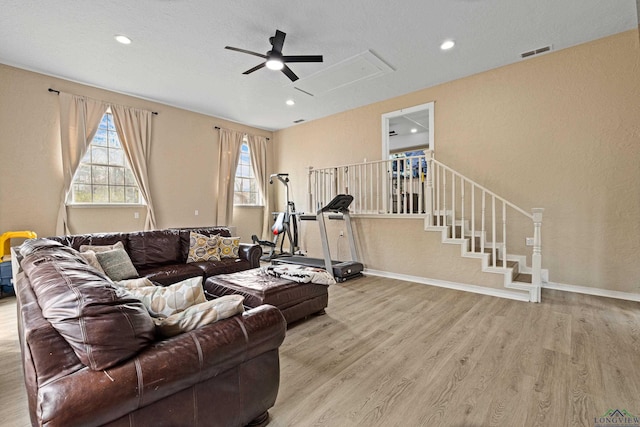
(134, 129)
(228, 155)
(79, 121)
(258, 150)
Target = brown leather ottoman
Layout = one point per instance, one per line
(295, 300)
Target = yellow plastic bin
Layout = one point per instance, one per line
(6, 274)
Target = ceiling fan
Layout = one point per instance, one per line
(275, 60)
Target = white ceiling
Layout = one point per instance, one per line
(178, 56)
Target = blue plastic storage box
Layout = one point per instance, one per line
(6, 278)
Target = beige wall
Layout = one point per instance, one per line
(559, 131)
(182, 170)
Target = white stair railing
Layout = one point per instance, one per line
(422, 186)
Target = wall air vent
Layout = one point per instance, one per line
(535, 52)
(298, 121)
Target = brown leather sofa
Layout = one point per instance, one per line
(91, 357)
(161, 255)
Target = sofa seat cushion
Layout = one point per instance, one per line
(85, 308)
(224, 266)
(171, 273)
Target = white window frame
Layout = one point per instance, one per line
(84, 163)
(240, 175)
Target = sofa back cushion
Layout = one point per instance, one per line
(155, 248)
(98, 239)
(101, 327)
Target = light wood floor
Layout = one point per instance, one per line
(392, 353)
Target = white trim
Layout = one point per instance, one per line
(249, 206)
(592, 291)
(388, 215)
(105, 205)
(385, 125)
(451, 285)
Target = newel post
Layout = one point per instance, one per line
(536, 259)
(429, 192)
(310, 189)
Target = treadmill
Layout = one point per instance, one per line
(338, 208)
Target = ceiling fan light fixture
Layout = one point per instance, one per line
(274, 61)
(275, 64)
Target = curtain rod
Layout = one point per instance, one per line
(218, 127)
(57, 92)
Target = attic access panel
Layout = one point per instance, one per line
(357, 68)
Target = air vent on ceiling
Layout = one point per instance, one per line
(298, 121)
(392, 133)
(535, 52)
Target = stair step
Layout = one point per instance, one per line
(523, 278)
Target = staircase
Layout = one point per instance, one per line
(514, 268)
(485, 226)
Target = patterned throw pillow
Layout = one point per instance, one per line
(200, 315)
(203, 248)
(117, 264)
(229, 247)
(165, 301)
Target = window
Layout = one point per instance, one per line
(104, 175)
(246, 188)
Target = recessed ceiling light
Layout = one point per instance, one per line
(414, 130)
(122, 39)
(447, 44)
(291, 102)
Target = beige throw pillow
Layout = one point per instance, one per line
(92, 260)
(101, 248)
(165, 301)
(203, 248)
(200, 315)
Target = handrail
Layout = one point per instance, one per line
(480, 187)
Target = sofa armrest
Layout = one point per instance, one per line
(161, 370)
(251, 253)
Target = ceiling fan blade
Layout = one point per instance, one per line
(246, 51)
(256, 68)
(277, 41)
(302, 58)
(287, 71)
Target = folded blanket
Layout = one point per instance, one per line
(300, 274)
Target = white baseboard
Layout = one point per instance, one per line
(592, 291)
(518, 296)
(628, 296)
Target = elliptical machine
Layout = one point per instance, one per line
(285, 226)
